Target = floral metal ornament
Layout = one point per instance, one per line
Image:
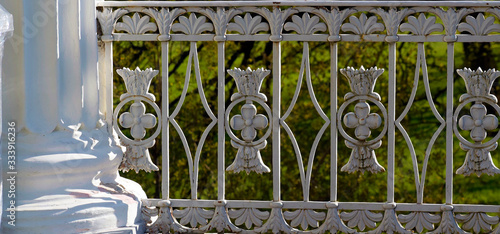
(248, 216)
(304, 218)
(362, 120)
(137, 120)
(136, 25)
(137, 82)
(361, 219)
(422, 26)
(248, 157)
(478, 83)
(276, 19)
(248, 122)
(479, 25)
(419, 221)
(362, 156)
(220, 20)
(478, 122)
(478, 158)
(136, 156)
(451, 18)
(164, 18)
(362, 81)
(248, 82)
(192, 25)
(248, 25)
(362, 25)
(306, 25)
(107, 20)
(477, 221)
(392, 18)
(334, 20)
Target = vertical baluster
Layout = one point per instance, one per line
(165, 136)
(221, 108)
(391, 118)
(276, 120)
(333, 122)
(449, 124)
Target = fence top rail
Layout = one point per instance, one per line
(389, 3)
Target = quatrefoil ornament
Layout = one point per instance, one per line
(478, 122)
(248, 157)
(362, 120)
(136, 156)
(137, 120)
(478, 158)
(249, 121)
(362, 83)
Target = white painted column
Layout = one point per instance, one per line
(67, 177)
(40, 63)
(88, 55)
(68, 62)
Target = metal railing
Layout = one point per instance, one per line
(328, 22)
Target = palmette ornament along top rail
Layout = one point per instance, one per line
(258, 23)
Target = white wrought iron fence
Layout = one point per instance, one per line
(388, 22)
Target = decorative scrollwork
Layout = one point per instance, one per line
(448, 223)
(451, 18)
(248, 157)
(276, 223)
(107, 19)
(422, 26)
(361, 219)
(419, 221)
(306, 25)
(165, 223)
(220, 220)
(304, 218)
(220, 19)
(147, 215)
(164, 18)
(276, 19)
(478, 159)
(248, 216)
(390, 223)
(136, 155)
(362, 25)
(334, 20)
(363, 156)
(333, 223)
(392, 19)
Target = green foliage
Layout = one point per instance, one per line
(305, 122)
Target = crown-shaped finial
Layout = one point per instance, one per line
(478, 83)
(362, 81)
(249, 82)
